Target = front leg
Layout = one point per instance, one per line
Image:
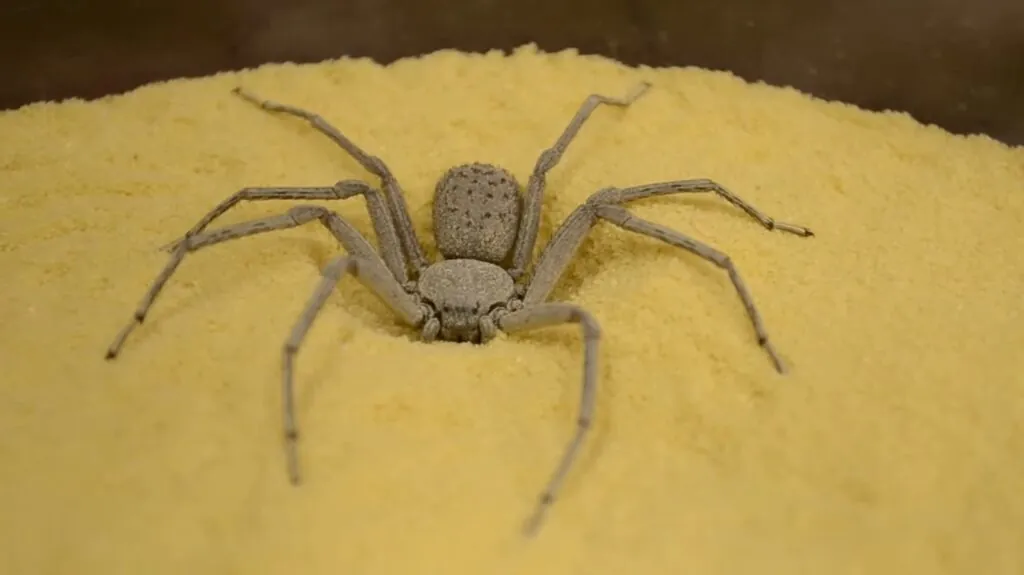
(552, 314)
(529, 224)
(375, 277)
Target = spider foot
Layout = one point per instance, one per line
(793, 229)
(294, 477)
(115, 348)
(774, 355)
(245, 95)
(533, 524)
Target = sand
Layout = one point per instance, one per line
(893, 445)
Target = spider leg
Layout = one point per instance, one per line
(350, 238)
(603, 205)
(551, 314)
(555, 257)
(625, 220)
(529, 223)
(392, 190)
(383, 225)
(374, 276)
(624, 195)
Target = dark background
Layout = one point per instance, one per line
(956, 63)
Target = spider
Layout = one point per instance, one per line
(485, 231)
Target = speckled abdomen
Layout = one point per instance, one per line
(476, 213)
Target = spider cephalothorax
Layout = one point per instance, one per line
(485, 229)
(466, 297)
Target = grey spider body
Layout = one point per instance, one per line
(486, 231)
(476, 218)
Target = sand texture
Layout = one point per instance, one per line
(895, 444)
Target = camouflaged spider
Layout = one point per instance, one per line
(486, 233)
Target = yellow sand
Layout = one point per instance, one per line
(895, 445)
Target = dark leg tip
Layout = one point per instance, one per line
(532, 525)
(110, 355)
(534, 522)
(294, 477)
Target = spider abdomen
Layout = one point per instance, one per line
(476, 213)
